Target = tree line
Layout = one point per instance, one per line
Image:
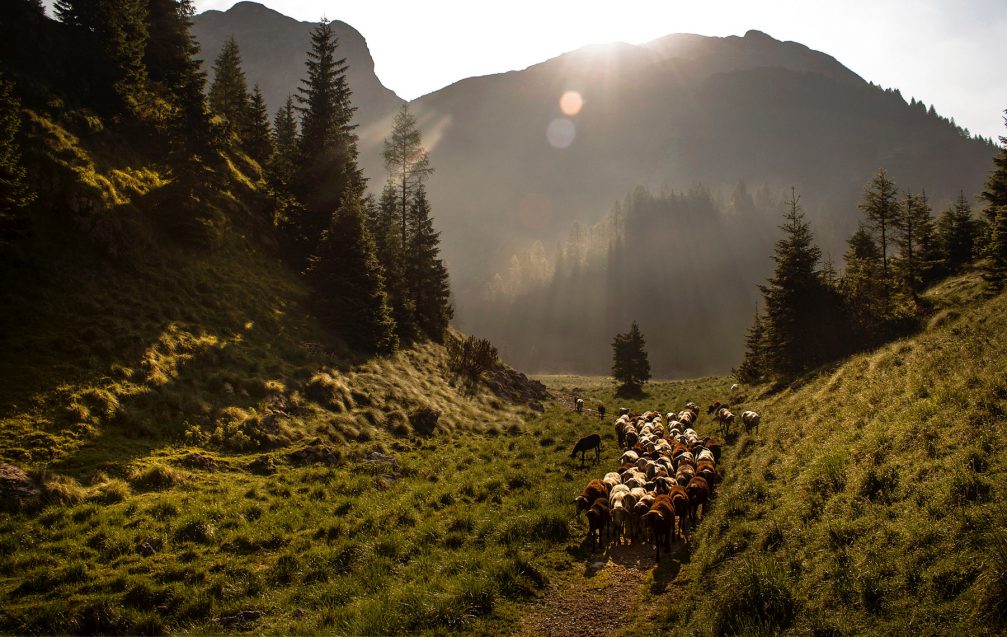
(374, 265)
(811, 314)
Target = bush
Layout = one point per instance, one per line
(471, 357)
(424, 420)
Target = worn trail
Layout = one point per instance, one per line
(581, 603)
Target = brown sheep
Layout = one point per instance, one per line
(698, 490)
(713, 445)
(595, 489)
(680, 500)
(661, 520)
(598, 517)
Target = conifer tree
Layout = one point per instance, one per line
(284, 144)
(394, 258)
(958, 234)
(862, 287)
(794, 300)
(110, 36)
(995, 191)
(351, 293)
(913, 216)
(228, 95)
(14, 192)
(407, 163)
(175, 73)
(881, 210)
(426, 276)
(995, 271)
(257, 138)
(929, 252)
(630, 365)
(327, 147)
(753, 366)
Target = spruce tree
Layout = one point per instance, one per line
(913, 215)
(285, 145)
(426, 276)
(929, 252)
(110, 37)
(630, 365)
(394, 259)
(14, 191)
(175, 74)
(995, 191)
(228, 95)
(327, 171)
(881, 209)
(257, 138)
(407, 163)
(345, 272)
(958, 234)
(863, 289)
(995, 270)
(753, 366)
(794, 298)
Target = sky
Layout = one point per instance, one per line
(942, 52)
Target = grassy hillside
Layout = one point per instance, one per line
(873, 501)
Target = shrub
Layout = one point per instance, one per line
(424, 420)
(471, 356)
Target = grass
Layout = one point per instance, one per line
(874, 497)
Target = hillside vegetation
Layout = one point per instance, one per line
(873, 500)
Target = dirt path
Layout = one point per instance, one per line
(580, 604)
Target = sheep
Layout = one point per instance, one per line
(708, 471)
(714, 446)
(621, 424)
(579, 405)
(629, 457)
(631, 437)
(680, 502)
(751, 420)
(643, 504)
(725, 418)
(661, 520)
(611, 479)
(584, 444)
(598, 517)
(698, 490)
(624, 411)
(705, 454)
(595, 489)
(684, 474)
(621, 505)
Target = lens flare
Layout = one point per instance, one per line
(560, 132)
(571, 103)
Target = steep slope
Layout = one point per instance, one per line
(273, 49)
(873, 497)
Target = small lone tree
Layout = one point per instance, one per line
(630, 366)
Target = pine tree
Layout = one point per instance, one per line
(913, 216)
(630, 365)
(175, 74)
(958, 234)
(406, 161)
(929, 253)
(995, 271)
(14, 191)
(426, 276)
(351, 293)
(862, 288)
(327, 147)
(881, 210)
(753, 366)
(383, 225)
(110, 37)
(794, 300)
(285, 145)
(257, 138)
(995, 191)
(228, 95)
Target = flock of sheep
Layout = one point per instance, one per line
(667, 473)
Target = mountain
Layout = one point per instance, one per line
(679, 111)
(273, 48)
